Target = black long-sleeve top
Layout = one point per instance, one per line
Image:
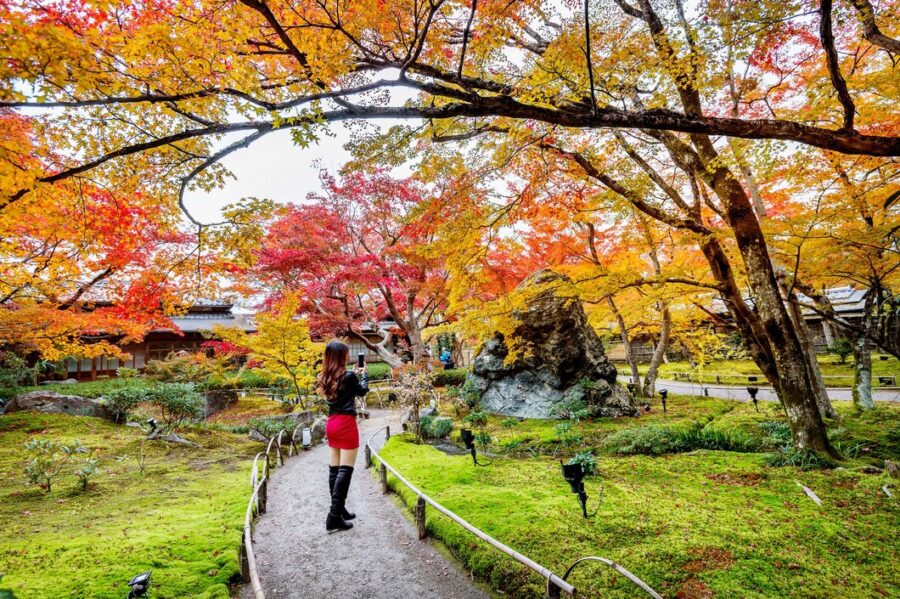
(348, 390)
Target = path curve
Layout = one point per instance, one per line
(381, 558)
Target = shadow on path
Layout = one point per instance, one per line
(380, 558)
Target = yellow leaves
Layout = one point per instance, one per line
(281, 343)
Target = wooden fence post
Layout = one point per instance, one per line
(263, 496)
(420, 517)
(387, 434)
(368, 454)
(243, 561)
(384, 485)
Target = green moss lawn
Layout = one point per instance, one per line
(182, 517)
(837, 374)
(698, 524)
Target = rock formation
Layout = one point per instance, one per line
(563, 361)
(51, 402)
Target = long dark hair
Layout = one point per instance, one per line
(334, 367)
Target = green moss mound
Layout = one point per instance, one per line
(703, 523)
(181, 518)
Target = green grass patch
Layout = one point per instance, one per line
(182, 517)
(700, 524)
(735, 372)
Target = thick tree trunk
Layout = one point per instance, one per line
(626, 343)
(862, 357)
(797, 391)
(662, 346)
(796, 315)
(862, 374)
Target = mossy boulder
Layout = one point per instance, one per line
(563, 360)
(51, 402)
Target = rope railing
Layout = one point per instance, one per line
(257, 504)
(727, 378)
(555, 584)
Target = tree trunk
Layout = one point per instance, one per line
(862, 374)
(662, 346)
(812, 364)
(626, 342)
(797, 391)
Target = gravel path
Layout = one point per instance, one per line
(381, 557)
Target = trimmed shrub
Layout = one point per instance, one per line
(378, 371)
(454, 376)
(123, 400)
(441, 427)
(647, 440)
(179, 402)
(510, 422)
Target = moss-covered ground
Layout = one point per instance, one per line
(698, 524)
(182, 517)
(733, 372)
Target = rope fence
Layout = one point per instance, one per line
(259, 482)
(556, 585)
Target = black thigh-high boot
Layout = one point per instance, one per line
(332, 475)
(334, 521)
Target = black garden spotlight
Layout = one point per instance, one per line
(151, 422)
(574, 475)
(468, 438)
(139, 585)
(631, 388)
(663, 394)
(753, 391)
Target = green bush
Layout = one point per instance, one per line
(86, 472)
(270, 427)
(378, 371)
(510, 422)
(441, 427)
(47, 459)
(647, 440)
(178, 402)
(13, 371)
(587, 460)
(777, 433)
(842, 348)
(476, 418)
(715, 439)
(483, 439)
(122, 400)
(802, 459)
(454, 376)
(127, 373)
(567, 437)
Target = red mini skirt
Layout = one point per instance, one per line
(342, 432)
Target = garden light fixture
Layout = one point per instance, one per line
(469, 440)
(663, 394)
(306, 437)
(631, 388)
(574, 475)
(753, 391)
(151, 422)
(139, 585)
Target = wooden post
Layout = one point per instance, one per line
(263, 496)
(384, 485)
(243, 561)
(368, 455)
(420, 517)
(387, 433)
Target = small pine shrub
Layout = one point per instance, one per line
(483, 439)
(179, 403)
(120, 402)
(86, 472)
(47, 459)
(510, 422)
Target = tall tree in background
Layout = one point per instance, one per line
(361, 255)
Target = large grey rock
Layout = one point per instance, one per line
(51, 402)
(218, 399)
(318, 430)
(563, 360)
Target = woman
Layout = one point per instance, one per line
(341, 388)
